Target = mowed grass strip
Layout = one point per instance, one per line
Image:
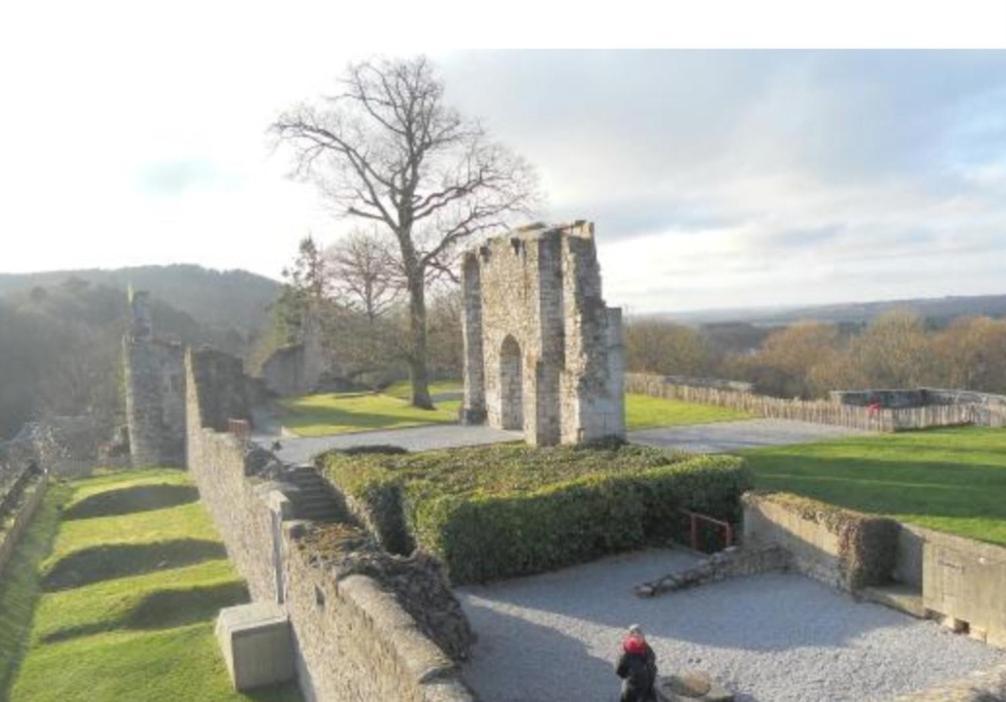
(646, 412)
(952, 480)
(127, 599)
(341, 413)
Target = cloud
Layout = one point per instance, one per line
(175, 177)
(716, 178)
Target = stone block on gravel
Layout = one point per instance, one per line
(691, 685)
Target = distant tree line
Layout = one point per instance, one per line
(807, 359)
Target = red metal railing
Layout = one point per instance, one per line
(693, 529)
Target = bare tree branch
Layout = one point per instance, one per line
(388, 150)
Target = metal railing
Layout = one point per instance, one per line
(693, 528)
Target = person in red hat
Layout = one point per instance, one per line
(637, 667)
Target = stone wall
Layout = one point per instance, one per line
(354, 638)
(15, 519)
(283, 371)
(66, 447)
(298, 369)
(845, 549)
(917, 408)
(960, 579)
(155, 391)
(543, 353)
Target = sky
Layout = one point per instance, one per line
(716, 179)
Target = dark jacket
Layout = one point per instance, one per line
(639, 672)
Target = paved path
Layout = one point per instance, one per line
(769, 638)
(698, 438)
(722, 437)
(438, 436)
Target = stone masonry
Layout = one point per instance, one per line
(543, 353)
(155, 391)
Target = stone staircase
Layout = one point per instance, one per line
(313, 498)
(903, 598)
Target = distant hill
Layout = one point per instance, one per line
(234, 299)
(938, 311)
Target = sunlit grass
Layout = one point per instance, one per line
(644, 412)
(952, 480)
(340, 413)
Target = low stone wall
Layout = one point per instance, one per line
(845, 549)
(13, 524)
(731, 562)
(920, 408)
(354, 639)
(961, 580)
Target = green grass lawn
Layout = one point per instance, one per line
(403, 388)
(340, 413)
(123, 580)
(952, 480)
(644, 412)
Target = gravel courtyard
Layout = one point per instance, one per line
(771, 638)
(723, 437)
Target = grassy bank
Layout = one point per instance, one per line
(125, 600)
(953, 480)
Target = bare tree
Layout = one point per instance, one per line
(364, 274)
(387, 149)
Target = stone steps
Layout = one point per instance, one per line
(903, 598)
(313, 498)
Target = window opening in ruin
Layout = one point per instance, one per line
(511, 385)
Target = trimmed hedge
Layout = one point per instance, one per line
(498, 512)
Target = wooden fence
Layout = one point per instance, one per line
(820, 411)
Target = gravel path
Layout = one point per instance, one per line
(771, 638)
(437, 436)
(733, 436)
(698, 438)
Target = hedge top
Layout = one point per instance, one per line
(484, 471)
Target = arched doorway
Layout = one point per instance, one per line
(511, 385)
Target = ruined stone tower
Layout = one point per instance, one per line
(543, 353)
(155, 390)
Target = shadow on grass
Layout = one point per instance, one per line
(139, 498)
(164, 609)
(99, 563)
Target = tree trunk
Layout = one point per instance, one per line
(417, 351)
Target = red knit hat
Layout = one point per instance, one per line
(634, 644)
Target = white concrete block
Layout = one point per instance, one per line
(257, 644)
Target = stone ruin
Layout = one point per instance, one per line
(155, 390)
(301, 368)
(543, 353)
